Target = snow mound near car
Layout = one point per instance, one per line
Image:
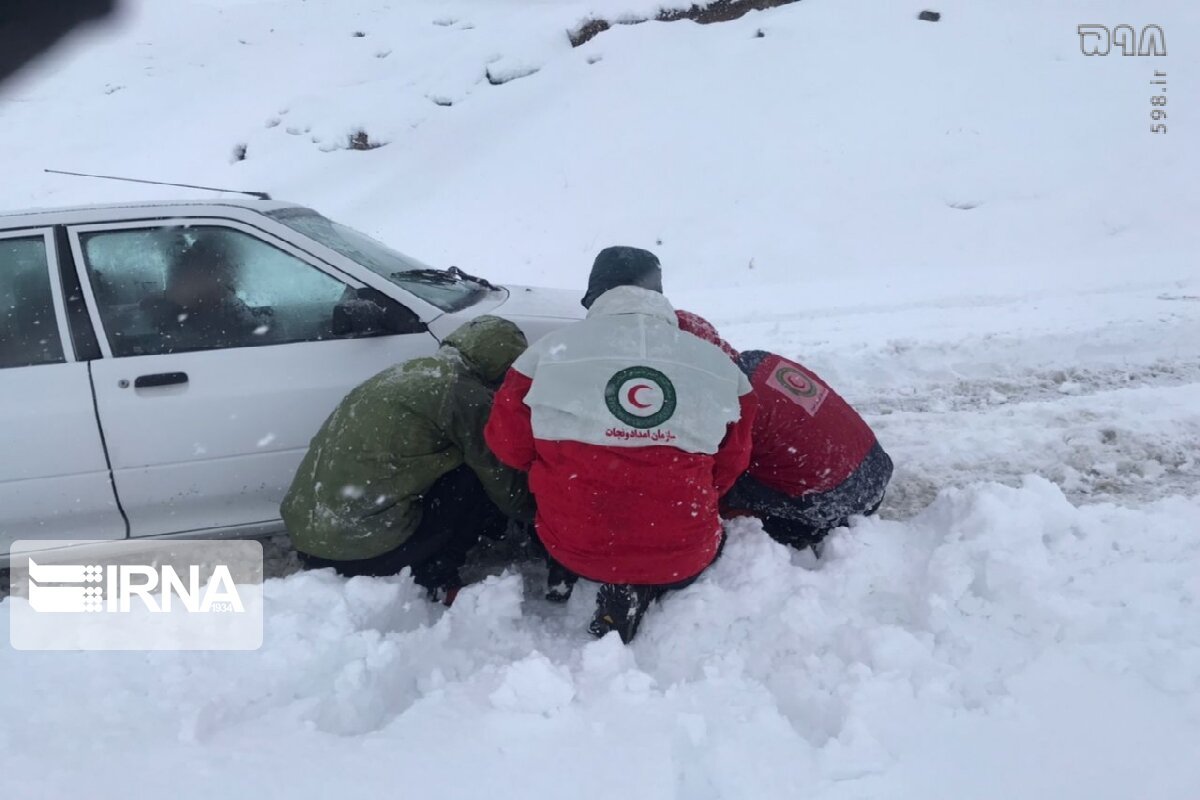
(1002, 641)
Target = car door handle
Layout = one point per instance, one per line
(160, 379)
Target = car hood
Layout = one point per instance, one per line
(532, 301)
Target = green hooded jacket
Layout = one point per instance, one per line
(357, 493)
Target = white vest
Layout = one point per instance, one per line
(628, 377)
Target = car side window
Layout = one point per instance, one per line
(177, 289)
(29, 332)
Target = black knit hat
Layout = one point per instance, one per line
(622, 266)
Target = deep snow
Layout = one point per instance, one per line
(1022, 622)
(1001, 643)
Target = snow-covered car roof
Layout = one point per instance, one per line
(104, 212)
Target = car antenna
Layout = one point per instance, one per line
(259, 195)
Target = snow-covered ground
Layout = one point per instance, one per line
(966, 226)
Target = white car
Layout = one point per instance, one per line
(163, 366)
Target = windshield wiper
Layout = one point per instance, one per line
(469, 277)
(444, 276)
(428, 275)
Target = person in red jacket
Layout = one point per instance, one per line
(631, 431)
(815, 462)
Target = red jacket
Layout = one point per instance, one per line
(631, 431)
(699, 326)
(807, 439)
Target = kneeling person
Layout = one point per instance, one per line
(399, 475)
(815, 462)
(631, 430)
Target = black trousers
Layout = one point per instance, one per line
(558, 574)
(457, 512)
(807, 519)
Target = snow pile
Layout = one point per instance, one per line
(1001, 642)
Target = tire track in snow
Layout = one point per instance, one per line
(1099, 393)
(1123, 445)
(1035, 386)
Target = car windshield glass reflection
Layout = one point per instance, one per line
(449, 290)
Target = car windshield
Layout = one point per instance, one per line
(449, 290)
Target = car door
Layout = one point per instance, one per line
(221, 362)
(54, 479)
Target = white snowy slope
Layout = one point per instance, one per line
(966, 226)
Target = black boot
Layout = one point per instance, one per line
(439, 577)
(560, 582)
(620, 608)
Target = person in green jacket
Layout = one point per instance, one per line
(400, 475)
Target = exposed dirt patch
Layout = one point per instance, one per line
(717, 11)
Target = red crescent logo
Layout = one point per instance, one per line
(632, 396)
(797, 380)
